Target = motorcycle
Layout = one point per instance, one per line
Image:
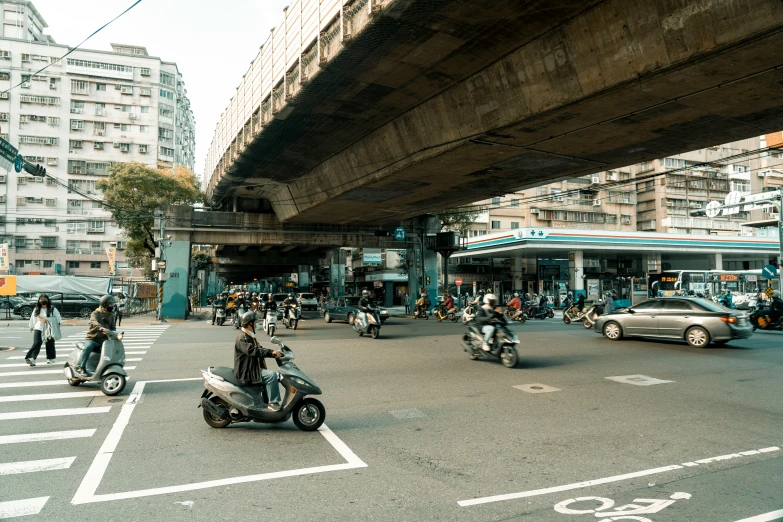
(761, 319)
(270, 322)
(420, 312)
(106, 366)
(469, 313)
(373, 326)
(592, 314)
(237, 316)
(513, 314)
(569, 316)
(220, 315)
(292, 316)
(225, 400)
(503, 347)
(441, 313)
(540, 312)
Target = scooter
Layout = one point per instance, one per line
(225, 400)
(373, 326)
(238, 316)
(420, 312)
(468, 314)
(592, 314)
(106, 366)
(540, 312)
(220, 316)
(503, 347)
(516, 315)
(570, 317)
(270, 322)
(292, 316)
(761, 319)
(441, 313)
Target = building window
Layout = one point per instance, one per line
(79, 87)
(48, 264)
(49, 242)
(514, 202)
(495, 202)
(165, 151)
(76, 144)
(100, 87)
(73, 264)
(166, 94)
(145, 110)
(95, 264)
(611, 219)
(144, 128)
(625, 219)
(495, 225)
(514, 225)
(77, 125)
(541, 191)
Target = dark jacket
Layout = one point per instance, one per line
(484, 316)
(580, 301)
(365, 304)
(100, 318)
(270, 305)
(249, 359)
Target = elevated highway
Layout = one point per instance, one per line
(386, 109)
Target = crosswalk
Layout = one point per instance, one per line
(38, 406)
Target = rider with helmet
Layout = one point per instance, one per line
(289, 302)
(516, 305)
(249, 365)
(775, 306)
(422, 303)
(365, 305)
(219, 302)
(485, 317)
(101, 321)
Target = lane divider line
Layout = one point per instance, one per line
(49, 396)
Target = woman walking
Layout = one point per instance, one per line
(45, 325)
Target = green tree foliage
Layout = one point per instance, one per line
(133, 192)
(459, 219)
(200, 259)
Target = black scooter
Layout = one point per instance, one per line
(762, 319)
(503, 347)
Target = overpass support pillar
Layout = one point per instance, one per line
(576, 269)
(716, 262)
(304, 278)
(517, 270)
(175, 289)
(337, 273)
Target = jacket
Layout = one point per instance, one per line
(365, 304)
(484, 315)
(580, 301)
(249, 359)
(449, 304)
(515, 303)
(100, 318)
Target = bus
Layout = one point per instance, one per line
(709, 282)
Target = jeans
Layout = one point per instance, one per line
(37, 342)
(119, 317)
(89, 347)
(269, 380)
(488, 330)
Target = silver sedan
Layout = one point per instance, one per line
(697, 321)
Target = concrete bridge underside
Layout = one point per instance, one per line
(445, 102)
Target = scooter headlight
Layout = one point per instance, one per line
(297, 380)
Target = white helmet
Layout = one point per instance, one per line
(490, 299)
(776, 293)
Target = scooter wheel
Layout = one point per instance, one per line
(427, 316)
(587, 325)
(509, 357)
(375, 332)
(566, 319)
(309, 414)
(74, 382)
(112, 384)
(440, 320)
(213, 420)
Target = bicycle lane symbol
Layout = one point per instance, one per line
(641, 506)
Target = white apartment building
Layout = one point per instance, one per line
(77, 118)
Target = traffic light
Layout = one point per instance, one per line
(40, 171)
(383, 233)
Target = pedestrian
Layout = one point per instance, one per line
(608, 304)
(45, 324)
(406, 300)
(120, 307)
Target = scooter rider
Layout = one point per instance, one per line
(422, 303)
(101, 321)
(775, 306)
(516, 304)
(289, 302)
(219, 302)
(580, 302)
(365, 305)
(249, 365)
(485, 317)
(449, 302)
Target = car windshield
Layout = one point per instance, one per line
(307, 296)
(351, 301)
(281, 297)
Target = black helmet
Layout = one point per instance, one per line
(247, 318)
(107, 301)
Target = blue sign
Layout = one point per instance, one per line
(399, 234)
(18, 162)
(769, 271)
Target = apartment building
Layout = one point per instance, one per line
(77, 118)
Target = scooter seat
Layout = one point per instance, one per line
(227, 374)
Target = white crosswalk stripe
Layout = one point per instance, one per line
(21, 508)
(43, 372)
(33, 466)
(45, 437)
(51, 396)
(34, 414)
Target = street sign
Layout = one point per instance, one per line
(712, 209)
(769, 271)
(768, 292)
(458, 281)
(732, 198)
(18, 162)
(399, 234)
(8, 154)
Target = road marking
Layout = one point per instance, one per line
(35, 414)
(44, 437)
(22, 357)
(638, 380)
(33, 466)
(606, 480)
(766, 517)
(135, 353)
(32, 384)
(89, 485)
(20, 508)
(48, 396)
(536, 388)
(44, 372)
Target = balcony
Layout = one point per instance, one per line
(103, 73)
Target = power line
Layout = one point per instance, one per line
(74, 48)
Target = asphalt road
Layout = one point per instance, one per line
(418, 431)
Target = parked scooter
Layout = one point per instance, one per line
(373, 326)
(762, 319)
(503, 347)
(225, 400)
(292, 316)
(270, 322)
(592, 314)
(106, 366)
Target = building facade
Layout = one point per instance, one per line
(77, 118)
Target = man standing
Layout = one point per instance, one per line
(407, 302)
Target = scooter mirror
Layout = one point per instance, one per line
(277, 341)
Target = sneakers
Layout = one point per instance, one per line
(485, 347)
(272, 406)
(82, 371)
(29, 361)
(50, 361)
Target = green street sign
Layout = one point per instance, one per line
(8, 155)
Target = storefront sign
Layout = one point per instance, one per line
(372, 256)
(7, 285)
(4, 256)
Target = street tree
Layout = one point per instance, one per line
(459, 219)
(133, 192)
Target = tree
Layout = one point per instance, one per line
(459, 219)
(133, 192)
(201, 260)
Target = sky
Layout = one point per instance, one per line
(212, 43)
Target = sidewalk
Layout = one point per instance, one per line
(148, 318)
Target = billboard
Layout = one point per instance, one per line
(372, 256)
(4, 257)
(7, 285)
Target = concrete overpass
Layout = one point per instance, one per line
(392, 108)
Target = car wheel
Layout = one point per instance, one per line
(697, 337)
(327, 317)
(350, 318)
(26, 311)
(613, 331)
(84, 312)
